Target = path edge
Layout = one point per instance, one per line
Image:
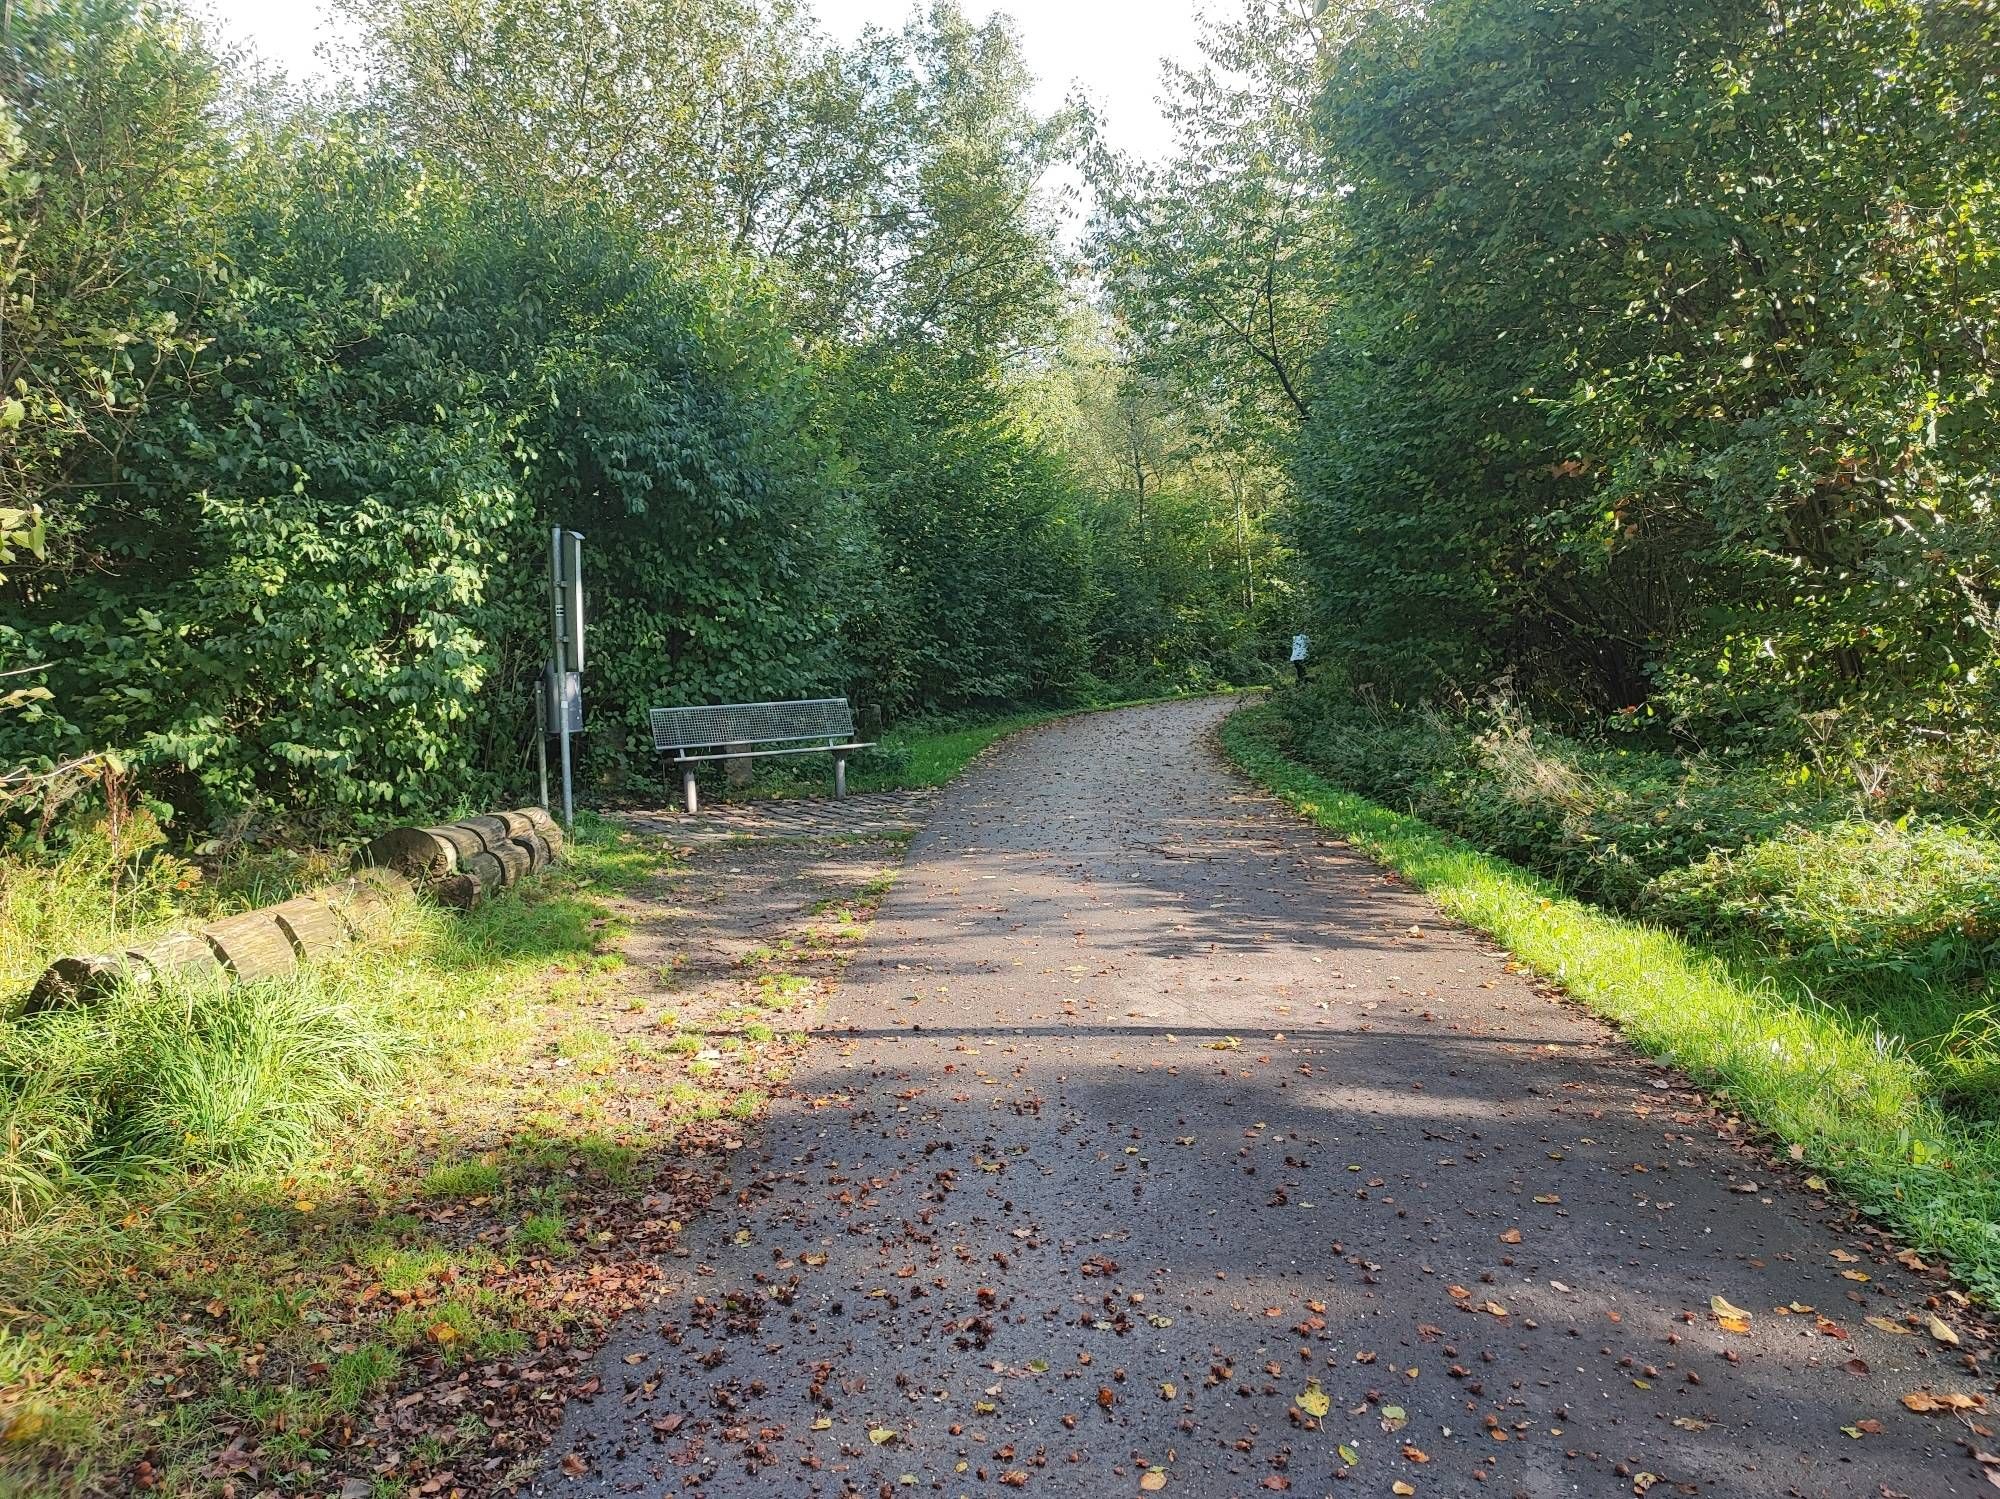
(1851, 1110)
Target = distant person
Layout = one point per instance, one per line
(1299, 644)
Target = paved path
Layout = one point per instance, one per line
(870, 814)
(1156, 1133)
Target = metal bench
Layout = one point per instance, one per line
(742, 731)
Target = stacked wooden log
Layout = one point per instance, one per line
(264, 943)
(461, 863)
(458, 864)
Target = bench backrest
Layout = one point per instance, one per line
(827, 718)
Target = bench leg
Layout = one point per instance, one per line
(840, 775)
(687, 787)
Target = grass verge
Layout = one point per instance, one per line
(1852, 1098)
(198, 1182)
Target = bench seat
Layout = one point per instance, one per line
(743, 731)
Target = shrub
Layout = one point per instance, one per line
(1852, 896)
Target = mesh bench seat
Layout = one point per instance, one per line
(743, 731)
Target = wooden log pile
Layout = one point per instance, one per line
(458, 864)
(253, 945)
(461, 863)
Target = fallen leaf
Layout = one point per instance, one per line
(575, 1465)
(1732, 1318)
(1313, 1400)
(1154, 1480)
(1940, 1331)
(1862, 1275)
(880, 1435)
(1415, 1454)
(1512, 1236)
(1883, 1324)
(1348, 1455)
(1924, 1403)
(1277, 1481)
(1399, 1487)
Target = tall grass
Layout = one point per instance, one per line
(157, 1085)
(1854, 1099)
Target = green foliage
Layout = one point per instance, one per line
(1658, 360)
(1852, 897)
(987, 603)
(275, 533)
(1604, 820)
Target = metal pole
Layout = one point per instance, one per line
(560, 706)
(542, 734)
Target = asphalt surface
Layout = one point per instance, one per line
(1157, 1142)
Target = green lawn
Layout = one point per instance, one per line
(1816, 1077)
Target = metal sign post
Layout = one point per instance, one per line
(562, 688)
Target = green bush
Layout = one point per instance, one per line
(1605, 821)
(1853, 896)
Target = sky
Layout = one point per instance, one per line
(1111, 48)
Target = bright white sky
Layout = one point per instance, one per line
(1112, 48)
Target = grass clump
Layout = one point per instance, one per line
(543, 1234)
(455, 1179)
(1861, 1104)
(357, 1375)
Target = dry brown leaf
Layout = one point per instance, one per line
(1925, 1403)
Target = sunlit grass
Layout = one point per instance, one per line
(168, 1147)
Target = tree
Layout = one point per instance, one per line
(1220, 257)
(1660, 357)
